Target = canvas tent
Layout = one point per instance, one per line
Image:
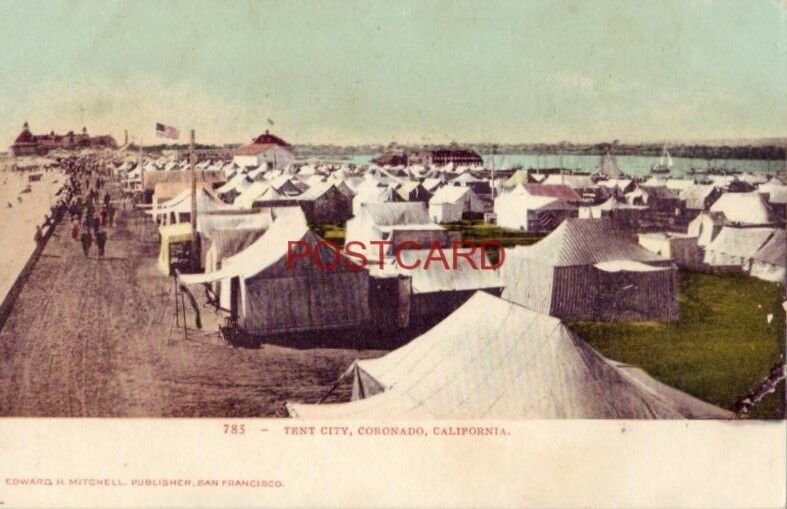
(681, 248)
(269, 298)
(494, 359)
(450, 204)
(520, 210)
(768, 263)
(706, 226)
(744, 208)
(178, 209)
(226, 233)
(370, 192)
(733, 248)
(395, 222)
(587, 270)
(438, 288)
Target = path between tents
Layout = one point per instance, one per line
(90, 337)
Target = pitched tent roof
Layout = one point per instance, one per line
(742, 242)
(561, 192)
(620, 184)
(449, 194)
(165, 191)
(516, 178)
(260, 255)
(393, 213)
(574, 181)
(233, 184)
(226, 220)
(497, 360)
(255, 191)
(404, 190)
(773, 251)
(776, 193)
(437, 278)
(696, 194)
(586, 242)
(181, 204)
(742, 208)
(151, 177)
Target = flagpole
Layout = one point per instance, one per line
(192, 160)
(141, 173)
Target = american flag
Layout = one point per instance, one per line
(164, 131)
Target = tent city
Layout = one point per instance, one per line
(281, 261)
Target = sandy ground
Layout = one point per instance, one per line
(18, 222)
(91, 337)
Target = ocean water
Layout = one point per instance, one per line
(631, 165)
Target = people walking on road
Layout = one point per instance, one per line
(75, 229)
(87, 241)
(111, 213)
(101, 241)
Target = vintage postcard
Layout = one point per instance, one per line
(393, 254)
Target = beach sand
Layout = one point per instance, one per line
(18, 222)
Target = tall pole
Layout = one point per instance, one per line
(192, 169)
(141, 174)
(494, 154)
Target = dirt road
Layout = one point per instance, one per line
(90, 337)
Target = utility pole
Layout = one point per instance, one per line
(194, 239)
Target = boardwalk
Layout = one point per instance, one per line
(91, 337)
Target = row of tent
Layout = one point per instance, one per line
(584, 270)
(491, 358)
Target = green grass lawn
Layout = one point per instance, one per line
(721, 348)
(478, 231)
(470, 230)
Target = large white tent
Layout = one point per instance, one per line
(733, 248)
(450, 203)
(520, 210)
(493, 359)
(768, 263)
(270, 296)
(587, 270)
(178, 209)
(745, 208)
(395, 222)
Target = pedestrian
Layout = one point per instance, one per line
(111, 212)
(87, 241)
(75, 229)
(38, 236)
(103, 216)
(106, 200)
(101, 241)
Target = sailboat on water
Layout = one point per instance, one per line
(608, 168)
(665, 165)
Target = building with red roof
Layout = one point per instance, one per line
(28, 144)
(265, 149)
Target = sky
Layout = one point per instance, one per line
(432, 71)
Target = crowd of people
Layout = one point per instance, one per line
(87, 201)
